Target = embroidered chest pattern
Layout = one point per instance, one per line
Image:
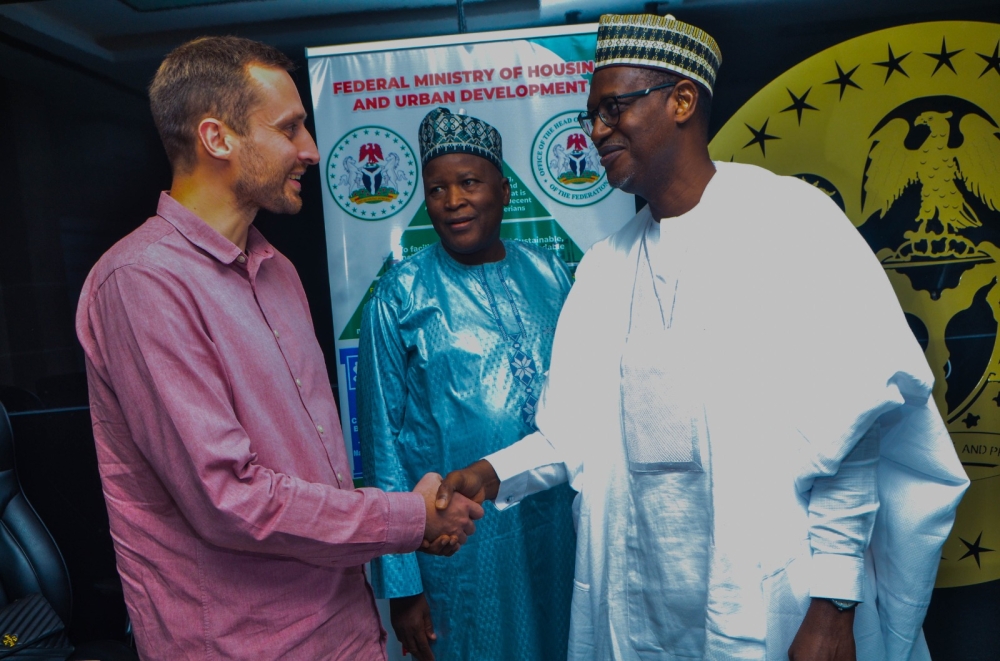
(522, 364)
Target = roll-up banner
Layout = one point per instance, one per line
(368, 101)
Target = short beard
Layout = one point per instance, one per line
(623, 184)
(256, 187)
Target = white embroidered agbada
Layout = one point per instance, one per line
(781, 360)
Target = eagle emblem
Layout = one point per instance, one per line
(901, 128)
(371, 172)
(577, 162)
(950, 152)
(373, 178)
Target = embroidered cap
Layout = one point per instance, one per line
(442, 133)
(658, 42)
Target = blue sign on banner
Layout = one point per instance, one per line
(349, 359)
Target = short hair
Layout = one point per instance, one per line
(205, 77)
(660, 76)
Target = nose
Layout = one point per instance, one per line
(308, 152)
(453, 198)
(600, 132)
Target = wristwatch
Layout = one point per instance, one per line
(843, 604)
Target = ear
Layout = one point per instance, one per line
(216, 138)
(505, 184)
(686, 101)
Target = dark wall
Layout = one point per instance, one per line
(79, 167)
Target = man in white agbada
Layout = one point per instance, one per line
(736, 396)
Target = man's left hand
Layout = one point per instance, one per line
(826, 634)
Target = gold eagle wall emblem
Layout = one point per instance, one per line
(901, 127)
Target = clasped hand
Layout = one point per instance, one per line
(449, 527)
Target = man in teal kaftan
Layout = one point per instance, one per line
(455, 344)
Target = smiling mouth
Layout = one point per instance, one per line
(609, 153)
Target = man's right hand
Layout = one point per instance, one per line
(476, 481)
(447, 527)
(411, 620)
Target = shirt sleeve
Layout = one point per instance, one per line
(176, 398)
(382, 397)
(525, 468)
(842, 511)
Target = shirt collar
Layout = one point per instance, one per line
(198, 232)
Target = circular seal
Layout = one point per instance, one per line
(371, 172)
(566, 164)
(901, 128)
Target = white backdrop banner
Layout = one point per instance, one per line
(368, 101)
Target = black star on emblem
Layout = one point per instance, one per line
(975, 549)
(843, 79)
(997, 399)
(760, 136)
(366, 131)
(893, 64)
(971, 421)
(799, 104)
(944, 57)
(992, 62)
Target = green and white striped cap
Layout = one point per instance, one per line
(658, 42)
(442, 133)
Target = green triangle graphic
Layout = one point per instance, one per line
(525, 219)
(523, 203)
(353, 329)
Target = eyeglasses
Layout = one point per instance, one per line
(609, 111)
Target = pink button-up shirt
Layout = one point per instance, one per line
(237, 529)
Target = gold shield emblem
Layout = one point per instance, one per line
(901, 128)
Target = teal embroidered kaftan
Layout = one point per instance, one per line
(451, 364)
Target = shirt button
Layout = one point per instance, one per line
(340, 477)
(319, 428)
(298, 382)
(277, 334)
(242, 259)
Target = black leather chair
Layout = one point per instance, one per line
(30, 561)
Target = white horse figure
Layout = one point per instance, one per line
(593, 160)
(560, 160)
(392, 174)
(351, 180)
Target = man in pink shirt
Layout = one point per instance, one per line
(237, 529)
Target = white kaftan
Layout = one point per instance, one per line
(809, 380)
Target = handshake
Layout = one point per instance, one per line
(454, 504)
